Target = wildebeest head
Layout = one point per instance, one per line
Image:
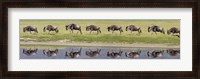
(121, 29)
(56, 29)
(24, 29)
(87, 28)
(67, 26)
(140, 31)
(44, 29)
(36, 30)
(149, 29)
(109, 28)
(127, 28)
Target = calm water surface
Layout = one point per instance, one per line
(103, 54)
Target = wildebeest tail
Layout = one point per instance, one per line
(80, 30)
(36, 30)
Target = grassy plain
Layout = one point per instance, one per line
(106, 37)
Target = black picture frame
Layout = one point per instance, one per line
(194, 4)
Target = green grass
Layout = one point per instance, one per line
(105, 36)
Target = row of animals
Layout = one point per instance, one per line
(94, 53)
(112, 28)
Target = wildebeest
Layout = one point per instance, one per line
(133, 54)
(73, 54)
(49, 53)
(30, 28)
(173, 52)
(72, 27)
(93, 28)
(155, 53)
(115, 28)
(51, 28)
(93, 53)
(156, 29)
(114, 54)
(133, 28)
(173, 30)
(30, 51)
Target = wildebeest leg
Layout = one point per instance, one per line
(90, 31)
(77, 32)
(72, 31)
(156, 33)
(112, 31)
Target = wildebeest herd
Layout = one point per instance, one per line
(94, 53)
(112, 28)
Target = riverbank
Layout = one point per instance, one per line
(96, 44)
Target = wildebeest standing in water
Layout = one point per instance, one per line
(51, 28)
(73, 54)
(30, 28)
(49, 53)
(93, 28)
(115, 28)
(30, 51)
(156, 29)
(93, 53)
(173, 30)
(72, 27)
(133, 28)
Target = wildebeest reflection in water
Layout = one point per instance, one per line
(115, 54)
(30, 51)
(49, 53)
(93, 53)
(173, 52)
(133, 54)
(99, 53)
(155, 53)
(73, 54)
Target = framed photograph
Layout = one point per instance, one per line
(129, 39)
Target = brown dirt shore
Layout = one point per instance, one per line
(96, 44)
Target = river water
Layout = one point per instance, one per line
(61, 54)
